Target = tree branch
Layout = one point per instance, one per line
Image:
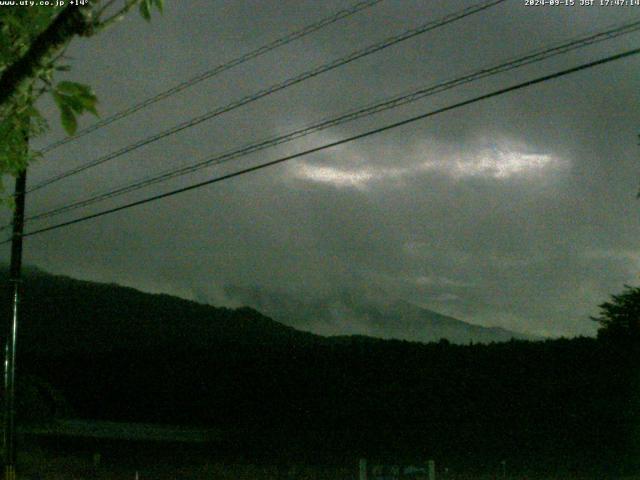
(119, 15)
(72, 21)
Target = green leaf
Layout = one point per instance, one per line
(89, 104)
(59, 99)
(160, 5)
(80, 98)
(145, 9)
(68, 101)
(69, 121)
(75, 103)
(31, 111)
(74, 88)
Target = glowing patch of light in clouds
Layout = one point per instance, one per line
(505, 166)
(334, 176)
(501, 162)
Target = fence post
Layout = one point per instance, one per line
(432, 469)
(362, 469)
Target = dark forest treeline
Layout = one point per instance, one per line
(563, 402)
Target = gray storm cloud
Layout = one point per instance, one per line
(518, 211)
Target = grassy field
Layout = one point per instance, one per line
(41, 464)
(41, 467)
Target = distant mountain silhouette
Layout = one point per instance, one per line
(350, 316)
(62, 315)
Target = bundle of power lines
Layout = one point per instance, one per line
(365, 111)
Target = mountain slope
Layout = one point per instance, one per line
(351, 316)
(61, 315)
(428, 326)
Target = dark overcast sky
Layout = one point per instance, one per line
(519, 211)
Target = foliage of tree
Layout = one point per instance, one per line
(32, 46)
(620, 317)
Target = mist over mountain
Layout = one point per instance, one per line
(347, 314)
(61, 314)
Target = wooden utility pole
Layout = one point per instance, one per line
(15, 282)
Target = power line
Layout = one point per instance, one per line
(280, 42)
(531, 57)
(368, 133)
(393, 102)
(276, 88)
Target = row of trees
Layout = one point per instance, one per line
(619, 318)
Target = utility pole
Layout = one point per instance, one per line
(15, 283)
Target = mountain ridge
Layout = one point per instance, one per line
(80, 315)
(348, 315)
